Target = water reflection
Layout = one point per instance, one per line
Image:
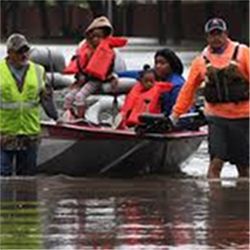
(148, 213)
(20, 215)
(228, 213)
(139, 214)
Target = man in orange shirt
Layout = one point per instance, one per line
(224, 67)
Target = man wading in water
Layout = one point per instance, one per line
(224, 66)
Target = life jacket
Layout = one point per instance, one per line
(146, 101)
(20, 110)
(95, 63)
(226, 84)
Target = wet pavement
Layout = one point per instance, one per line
(151, 212)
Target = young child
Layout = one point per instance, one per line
(92, 64)
(143, 97)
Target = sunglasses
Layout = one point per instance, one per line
(23, 50)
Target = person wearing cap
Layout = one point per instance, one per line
(23, 89)
(223, 66)
(93, 64)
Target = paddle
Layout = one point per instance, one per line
(115, 108)
(115, 104)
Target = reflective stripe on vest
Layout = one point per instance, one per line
(18, 105)
(28, 104)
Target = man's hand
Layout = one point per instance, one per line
(174, 119)
(60, 121)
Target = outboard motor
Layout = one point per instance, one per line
(159, 123)
(153, 123)
(51, 59)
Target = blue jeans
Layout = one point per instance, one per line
(24, 161)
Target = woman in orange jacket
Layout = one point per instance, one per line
(224, 67)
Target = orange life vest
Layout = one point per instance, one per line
(141, 100)
(98, 62)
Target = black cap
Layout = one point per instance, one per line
(215, 24)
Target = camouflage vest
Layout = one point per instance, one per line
(226, 84)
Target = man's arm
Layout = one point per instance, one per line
(187, 93)
(47, 102)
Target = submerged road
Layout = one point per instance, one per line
(151, 212)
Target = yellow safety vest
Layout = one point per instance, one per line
(19, 111)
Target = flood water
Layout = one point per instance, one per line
(150, 213)
(142, 213)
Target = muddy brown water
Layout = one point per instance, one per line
(150, 212)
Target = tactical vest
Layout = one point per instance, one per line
(226, 84)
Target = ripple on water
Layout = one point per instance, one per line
(142, 213)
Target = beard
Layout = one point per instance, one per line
(24, 62)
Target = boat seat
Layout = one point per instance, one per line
(123, 87)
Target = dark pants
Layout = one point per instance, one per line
(24, 161)
(229, 140)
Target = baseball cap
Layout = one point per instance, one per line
(16, 42)
(215, 24)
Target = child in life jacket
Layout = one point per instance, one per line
(92, 64)
(143, 97)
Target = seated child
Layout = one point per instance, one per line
(92, 64)
(143, 97)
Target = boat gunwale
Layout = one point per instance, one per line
(109, 133)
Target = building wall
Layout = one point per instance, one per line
(138, 20)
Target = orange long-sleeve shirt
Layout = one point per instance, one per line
(197, 75)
